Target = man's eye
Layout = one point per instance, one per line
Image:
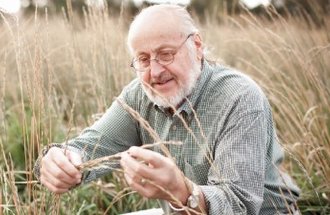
(165, 56)
(143, 60)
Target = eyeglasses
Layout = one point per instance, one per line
(164, 58)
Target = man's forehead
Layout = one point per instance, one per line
(154, 27)
(156, 24)
(160, 36)
(155, 42)
(160, 28)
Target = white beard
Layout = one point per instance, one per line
(184, 90)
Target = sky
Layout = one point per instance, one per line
(255, 3)
(13, 6)
(10, 6)
(184, 2)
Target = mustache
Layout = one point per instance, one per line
(163, 78)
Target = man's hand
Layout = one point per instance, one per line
(153, 175)
(58, 172)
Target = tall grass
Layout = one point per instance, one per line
(55, 76)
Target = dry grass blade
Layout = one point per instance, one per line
(96, 163)
(142, 121)
(145, 125)
(120, 195)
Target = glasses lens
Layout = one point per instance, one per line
(165, 58)
(141, 63)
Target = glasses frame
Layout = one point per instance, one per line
(156, 57)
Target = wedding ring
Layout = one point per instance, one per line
(143, 181)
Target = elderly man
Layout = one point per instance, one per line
(229, 156)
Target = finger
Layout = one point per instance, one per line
(157, 180)
(137, 177)
(162, 170)
(63, 162)
(136, 185)
(129, 165)
(151, 157)
(50, 164)
(56, 182)
(51, 187)
(146, 189)
(156, 171)
(141, 178)
(131, 182)
(74, 158)
(50, 169)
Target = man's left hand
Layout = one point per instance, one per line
(154, 175)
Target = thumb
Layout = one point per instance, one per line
(74, 157)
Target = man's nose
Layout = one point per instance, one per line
(155, 68)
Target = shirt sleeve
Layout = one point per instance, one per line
(114, 132)
(236, 177)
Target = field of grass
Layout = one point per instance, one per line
(56, 76)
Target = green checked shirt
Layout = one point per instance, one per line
(232, 150)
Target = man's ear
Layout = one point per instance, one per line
(199, 45)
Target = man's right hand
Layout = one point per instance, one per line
(58, 172)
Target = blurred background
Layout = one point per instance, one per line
(62, 62)
(21, 7)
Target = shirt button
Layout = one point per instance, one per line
(174, 127)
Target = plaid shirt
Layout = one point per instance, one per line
(235, 162)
